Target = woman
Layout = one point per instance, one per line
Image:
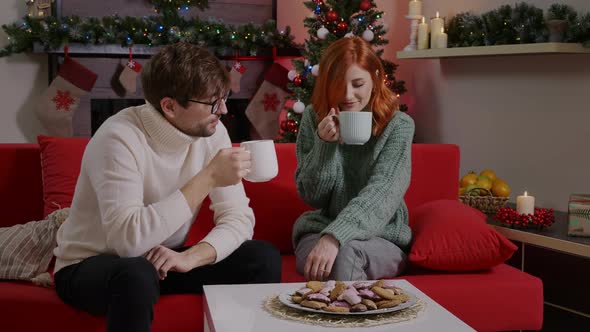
(360, 230)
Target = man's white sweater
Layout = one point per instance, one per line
(128, 198)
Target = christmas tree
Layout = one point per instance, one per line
(329, 21)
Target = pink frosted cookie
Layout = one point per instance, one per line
(363, 284)
(350, 295)
(328, 286)
(318, 297)
(338, 303)
(368, 294)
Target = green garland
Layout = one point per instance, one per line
(520, 24)
(172, 7)
(52, 32)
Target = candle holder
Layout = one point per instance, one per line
(414, 19)
(540, 219)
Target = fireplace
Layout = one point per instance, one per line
(235, 120)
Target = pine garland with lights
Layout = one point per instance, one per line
(52, 32)
(172, 7)
(359, 17)
(520, 24)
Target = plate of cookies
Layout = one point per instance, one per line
(349, 298)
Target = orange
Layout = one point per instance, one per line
(488, 173)
(468, 179)
(500, 188)
(483, 182)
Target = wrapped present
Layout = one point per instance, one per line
(579, 215)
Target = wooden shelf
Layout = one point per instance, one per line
(145, 51)
(517, 49)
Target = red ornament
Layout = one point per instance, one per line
(284, 125)
(291, 125)
(365, 5)
(342, 26)
(332, 15)
(297, 81)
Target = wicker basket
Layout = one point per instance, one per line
(486, 204)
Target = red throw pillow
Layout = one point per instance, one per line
(451, 236)
(60, 166)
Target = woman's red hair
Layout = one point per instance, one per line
(330, 85)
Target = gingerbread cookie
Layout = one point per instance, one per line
(316, 286)
(387, 304)
(383, 293)
(332, 308)
(313, 304)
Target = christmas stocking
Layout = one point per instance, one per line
(61, 99)
(128, 77)
(264, 109)
(235, 75)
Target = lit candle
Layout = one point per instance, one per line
(423, 35)
(415, 8)
(441, 39)
(436, 23)
(525, 204)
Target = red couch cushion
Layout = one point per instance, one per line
(451, 236)
(500, 299)
(60, 162)
(32, 308)
(21, 193)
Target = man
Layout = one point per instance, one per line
(143, 178)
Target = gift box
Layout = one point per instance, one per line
(579, 215)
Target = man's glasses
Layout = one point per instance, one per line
(215, 104)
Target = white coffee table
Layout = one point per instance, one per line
(230, 308)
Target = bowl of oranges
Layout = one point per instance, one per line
(484, 191)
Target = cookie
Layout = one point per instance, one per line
(304, 291)
(316, 286)
(297, 299)
(313, 304)
(402, 297)
(332, 308)
(369, 304)
(368, 294)
(379, 283)
(339, 303)
(363, 284)
(351, 296)
(358, 308)
(383, 293)
(387, 304)
(338, 289)
(318, 297)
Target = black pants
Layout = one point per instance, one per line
(125, 289)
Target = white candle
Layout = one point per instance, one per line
(436, 23)
(525, 204)
(442, 39)
(415, 8)
(423, 35)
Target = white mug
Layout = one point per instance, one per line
(263, 158)
(355, 127)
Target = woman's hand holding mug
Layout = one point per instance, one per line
(329, 128)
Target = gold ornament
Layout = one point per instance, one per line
(31, 8)
(39, 8)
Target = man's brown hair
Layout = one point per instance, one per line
(183, 71)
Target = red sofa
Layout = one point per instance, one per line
(503, 298)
